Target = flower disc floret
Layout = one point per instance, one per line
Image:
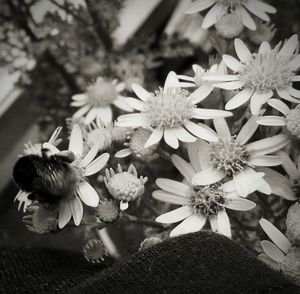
(228, 155)
(169, 108)
(229, 26)
(101, 93)
(137, 143)
(267, 71)
(293, 122)
(207, 200)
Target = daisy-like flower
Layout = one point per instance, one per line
(98, 99)
(280, 255)
(260, 75)
(204, 87)
(98, 132)
(124, 186)
(223, 7)
(84, 166)
(232, 156)
(169, 112)
(199, 203)
(136, 146)
(290, 118)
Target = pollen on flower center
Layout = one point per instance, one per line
(228, 155)
(293, 122)
(125, 186)
(169, 108)
(101, 93)
(207, 200)
(137, 143)
(267, 71)
(231, 3)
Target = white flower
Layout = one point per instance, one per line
(169, 112)
(124, 186)
(276, 252)
(291, 118)
(240, 7)
(85, 166)
(232, 156)
(199, 203)
(280, 255)
(204, 87)
(260, 75)
(136, 146)
(23, 199)
(98, 99)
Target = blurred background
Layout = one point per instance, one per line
(52, 49)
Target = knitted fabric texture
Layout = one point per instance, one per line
(199, 263)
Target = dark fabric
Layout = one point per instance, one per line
(199, 263)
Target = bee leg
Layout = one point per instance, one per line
(66, 155)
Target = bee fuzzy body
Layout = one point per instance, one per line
(48, 178)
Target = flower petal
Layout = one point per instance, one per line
(275, 235)
(252, 7)
(175, 215)
(121, 103)
(223, 223)
(198, 6)
(222, 128)
(232, 63)
(141, 92)
(76, 141)
(135, 103)
(240, 204)
(242, 50)
(91, 115)
(181, 134)
(247, 20)
(239, 99)
(193, 223)
(64, 214)
(247, 130)
(201, 131)
(81, 111)
(289, 46)
(268, 145)
(79, 97)
(170, 138)
(155, 137)
(97, 164)
(123, 153)
(183, 167)
(201, 93)
(271, 120)
(272, 251)
(212, 15)
(171, 81)
(284, 94)
(132, 120)
(258, 99)
(105, 114)
(88, 194)
(213, 223)
(169, 198)
(204, 113)
(199, 155)
(76, 209)
(230, 85)
(264, 48)
(279, 105)
(289, 166)
(208, 177)
(173, 187)
(91, 154)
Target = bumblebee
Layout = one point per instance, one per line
(47, 177)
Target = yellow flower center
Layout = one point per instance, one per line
(101, 93)
(267, 71)
(169, 108)
(207, 200)
(228, 155)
